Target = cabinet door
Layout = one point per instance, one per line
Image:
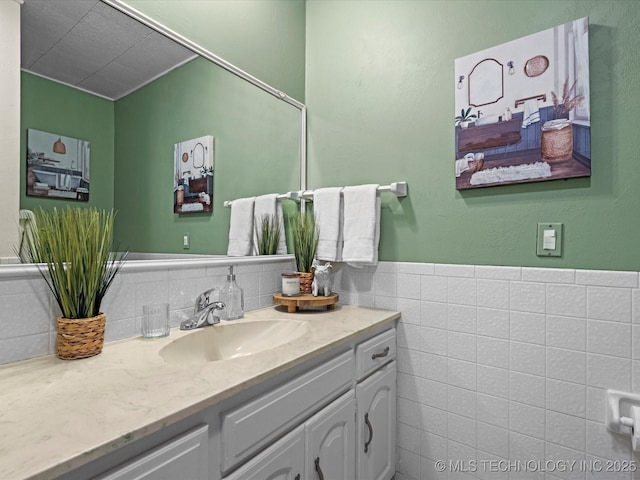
(330, 440)
(376, 425)
(284, 460)
(185, 456)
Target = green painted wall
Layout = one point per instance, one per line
(264, 38)
(55, 108)
(256, 152)
(379, 91)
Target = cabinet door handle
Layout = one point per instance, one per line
(318, 469)
(370, 427)
(384, 353)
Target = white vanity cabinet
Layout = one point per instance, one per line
(330, 441)
(376, 425)
(322, 448)
(353, 436)
(284, 460)
(330, 417)
(376, 407)
(183, 457)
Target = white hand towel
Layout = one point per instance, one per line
(241, 227)
(327, 209)
(269, 205)
(361, 225)
(531, 112)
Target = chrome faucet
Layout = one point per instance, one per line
(203, 312)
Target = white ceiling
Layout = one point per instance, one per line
(92, 46)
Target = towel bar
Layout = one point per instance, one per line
(399, 189)
(288, 195)
(542, 96)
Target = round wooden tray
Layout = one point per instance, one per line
(293, 303)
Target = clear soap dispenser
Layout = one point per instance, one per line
(233, 298)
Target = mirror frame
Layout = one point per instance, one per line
(501, 66)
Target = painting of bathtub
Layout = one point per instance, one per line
(522, 110)
(57, 166)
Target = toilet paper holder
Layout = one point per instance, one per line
(619, 416)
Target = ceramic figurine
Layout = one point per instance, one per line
(322, 280)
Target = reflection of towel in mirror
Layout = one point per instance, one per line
(328, 211)
(361, 225)
(28, 231)
(241, 227)
(269, 205)
(531, 112)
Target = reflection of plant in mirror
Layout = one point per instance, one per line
(568, 102)
(465, 117)
(268, 234)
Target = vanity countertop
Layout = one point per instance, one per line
(57, 414)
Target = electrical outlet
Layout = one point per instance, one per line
(549, 240)
(185, 241)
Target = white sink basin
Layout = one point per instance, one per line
(232, 340)
(488, 120)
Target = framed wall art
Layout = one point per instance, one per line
(57, 166)
(522, 110)
(194, 162)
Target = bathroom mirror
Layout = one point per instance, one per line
(486, 84)
(258, 130)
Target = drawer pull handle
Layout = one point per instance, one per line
(384, 353)
(318, 469)
(370, 427)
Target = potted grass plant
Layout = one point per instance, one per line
(73, 249)
(305, 234)
(268, 232)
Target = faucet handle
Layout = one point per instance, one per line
(203, 300)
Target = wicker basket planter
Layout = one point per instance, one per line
(306, 280)
(557, 145)
(80, 337)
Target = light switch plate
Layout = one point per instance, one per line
(540, 250)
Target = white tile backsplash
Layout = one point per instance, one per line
(527, 297)
(28, 310)
(566, 332)
(494, 362)
(493, 293)
(493, 323)
(567, 300)
(544, 344)
(550, 275)
(528, 389)
(606, 278)
(527, 327)
(606, 303)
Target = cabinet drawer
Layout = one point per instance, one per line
(249, 428)
(375, 352)
(186, 456)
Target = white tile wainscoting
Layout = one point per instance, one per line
(28, 310)
(496, 364)
(502, 367)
